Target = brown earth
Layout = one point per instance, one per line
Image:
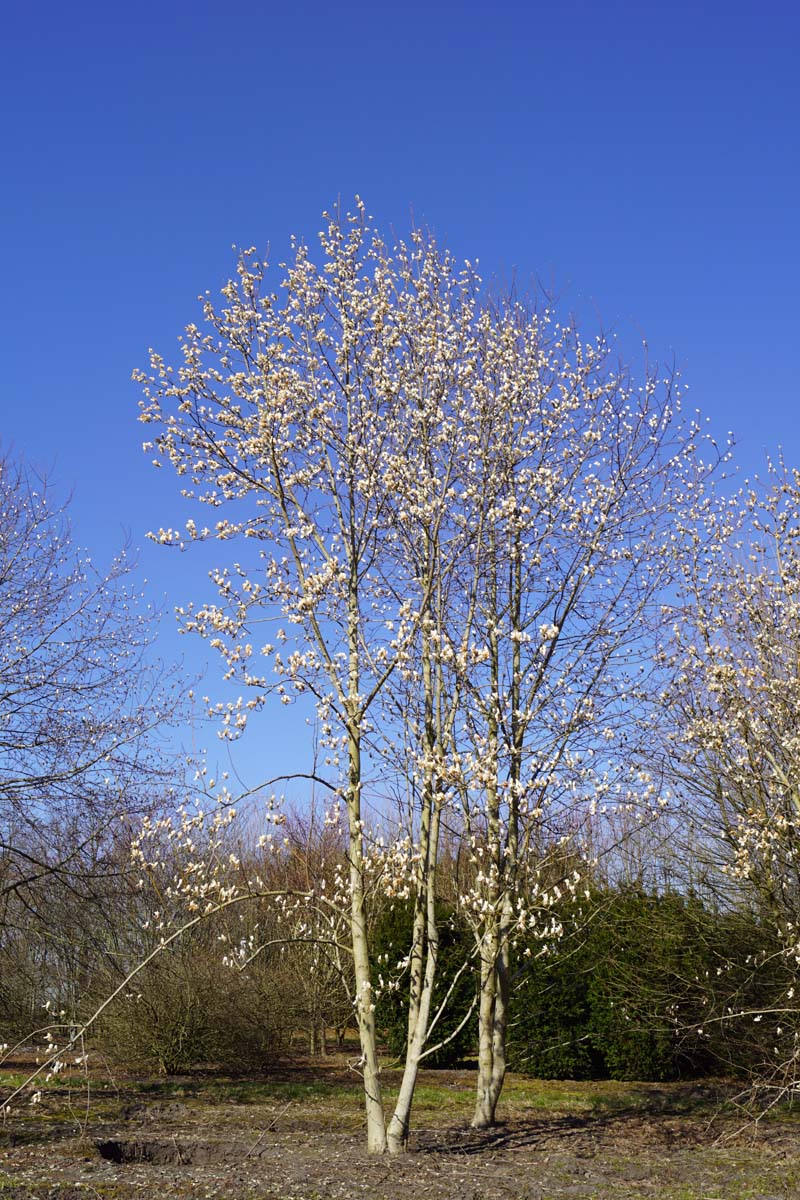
(297, 1135)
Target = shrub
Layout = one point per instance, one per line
(187, 1009)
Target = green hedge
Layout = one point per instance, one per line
(639, 987)
(390, 942)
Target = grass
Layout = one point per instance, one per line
(277, 1091)
(453, 1097)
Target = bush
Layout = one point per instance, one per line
(186, 1009)
(548, 1033)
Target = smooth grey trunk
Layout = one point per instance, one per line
(484, 1110)
(495, 949)
(317, 1040)
(419, 1022)
(364, 998)
(425, 942)
(364, 1003)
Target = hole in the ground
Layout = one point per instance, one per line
(168, 1152)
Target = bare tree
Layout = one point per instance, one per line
(80, 704)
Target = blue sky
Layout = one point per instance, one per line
(639, 160)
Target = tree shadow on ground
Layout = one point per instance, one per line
(656, 1118)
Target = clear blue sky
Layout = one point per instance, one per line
(640, 159)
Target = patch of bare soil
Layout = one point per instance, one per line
(297, 1148)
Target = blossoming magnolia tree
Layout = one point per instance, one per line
(734, 745)
(586, 475)
(328, 424)
(454, 513)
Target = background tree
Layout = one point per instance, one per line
(311, 970)
(733, 746)
(80, 712)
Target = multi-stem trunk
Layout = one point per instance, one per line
(495, 948)
(364, 1003)
(364, 999)
(425, 936)
(493, 1017)
(494, 995)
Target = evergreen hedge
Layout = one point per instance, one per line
(390, 941)
(639, 987)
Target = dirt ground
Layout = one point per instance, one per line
(297, 1135)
